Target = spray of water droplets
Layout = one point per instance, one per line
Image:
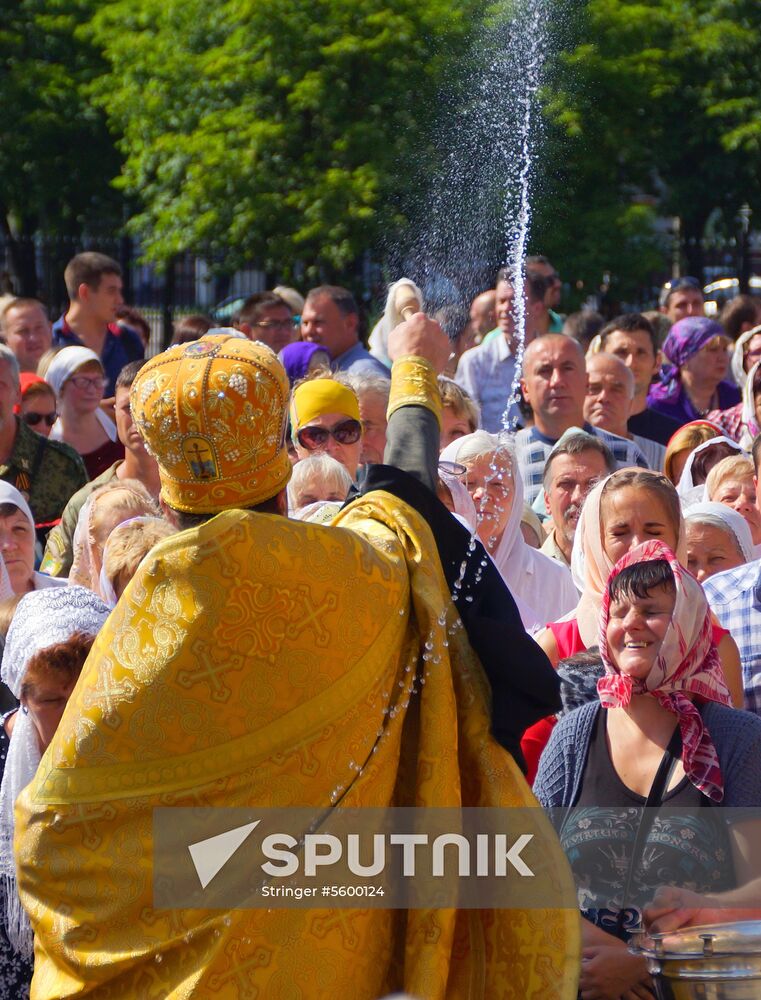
(476, 220)
(478, 215)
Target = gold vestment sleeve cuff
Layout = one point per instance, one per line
(414, 383)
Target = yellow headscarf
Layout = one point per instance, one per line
(318, 396)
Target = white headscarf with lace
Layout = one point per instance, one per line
(542, 587)
(691, 493)
(42, 619)
(737, 363)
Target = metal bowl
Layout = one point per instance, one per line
(710, 962)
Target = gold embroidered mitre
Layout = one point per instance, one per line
(214, 413)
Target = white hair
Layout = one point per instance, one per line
(481, 443)
(726, 519)
(331, 475)
(7, 355)
(366, 385)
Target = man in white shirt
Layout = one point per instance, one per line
(486, 372)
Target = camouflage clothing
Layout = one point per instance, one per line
(59, 550)
(47, 473)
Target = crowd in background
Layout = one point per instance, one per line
(609, 470)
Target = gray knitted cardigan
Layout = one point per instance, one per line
(736, 735)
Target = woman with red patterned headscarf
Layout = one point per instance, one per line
(663, 719)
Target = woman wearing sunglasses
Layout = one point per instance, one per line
(76, 374)
(325, 419)
(38, 403)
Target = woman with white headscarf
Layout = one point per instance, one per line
(17, 541)
(78, 379)
(543, 585)
(718, 538)
(746, 355)
(46, 646)
(750, 416)
(628, 507)
(106, 508)
(691, 485)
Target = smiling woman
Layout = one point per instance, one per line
(628, 508)
(732, 482)
(662, 732)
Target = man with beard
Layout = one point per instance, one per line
(576, 464)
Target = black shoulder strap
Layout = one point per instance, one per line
(652, 803)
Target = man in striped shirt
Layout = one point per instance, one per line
(610, 391)
(554, 383)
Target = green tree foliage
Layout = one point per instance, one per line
(56, 157)
(274, 131)
(652, 98)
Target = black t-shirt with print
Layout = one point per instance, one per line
(689, 849)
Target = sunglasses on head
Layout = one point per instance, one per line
(346, 432)
(36, 418)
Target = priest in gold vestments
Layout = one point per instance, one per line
(258, 661)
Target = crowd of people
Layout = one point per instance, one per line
(271, 566)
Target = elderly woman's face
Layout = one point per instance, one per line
(343, 440)
(710, 550)
(740, 495)
(711, 362)
(316, 487)
(17, 549)
(489, 480)
(752, 352)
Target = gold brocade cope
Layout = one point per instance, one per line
(255, 661)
